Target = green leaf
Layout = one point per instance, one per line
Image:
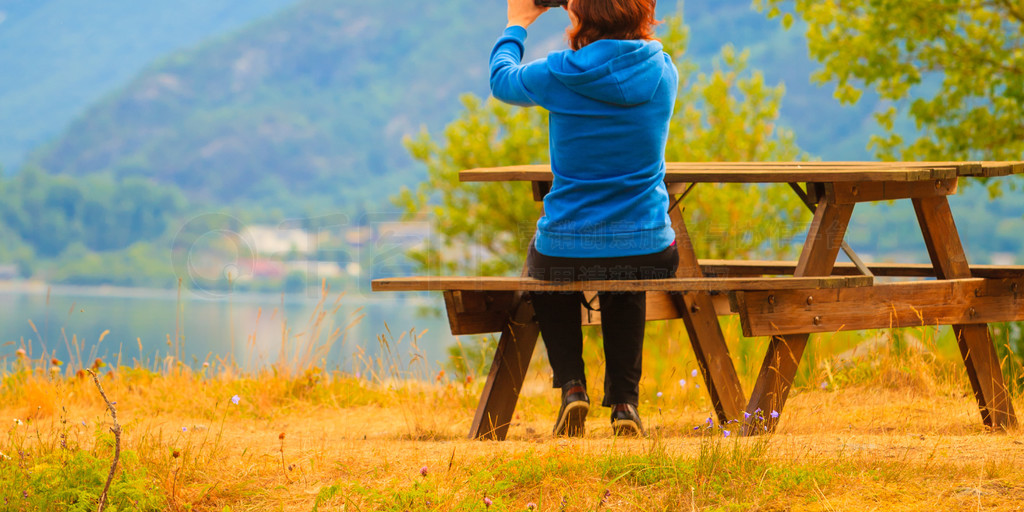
(787, 21)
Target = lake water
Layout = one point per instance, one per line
(147, 325)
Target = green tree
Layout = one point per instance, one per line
(727, 115)
(955, 67)
(53, 212)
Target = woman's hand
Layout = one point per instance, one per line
(523, 12)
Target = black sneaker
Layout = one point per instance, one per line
(573, 414)
(626, 421)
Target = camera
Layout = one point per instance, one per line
(550, 3)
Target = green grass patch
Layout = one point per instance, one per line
(66, 478)
(726, 474)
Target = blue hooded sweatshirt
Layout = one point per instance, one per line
(609, 106)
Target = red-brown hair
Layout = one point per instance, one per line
(611, 19)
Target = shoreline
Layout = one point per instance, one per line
(129, 292)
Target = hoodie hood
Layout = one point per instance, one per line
(613, 71)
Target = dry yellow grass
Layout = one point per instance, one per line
(361, 445)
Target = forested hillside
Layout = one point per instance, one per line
(57, 57)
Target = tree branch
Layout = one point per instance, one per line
(116, 429)
(1012, 10)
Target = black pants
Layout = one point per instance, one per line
(623, 317)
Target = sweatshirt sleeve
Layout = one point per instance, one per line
(506, 71)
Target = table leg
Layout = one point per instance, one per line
(512, 357)
(976, 347)
(508, 371)
(698, 313)
(817, 258)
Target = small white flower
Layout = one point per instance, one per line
(682, 383)
(18, 422)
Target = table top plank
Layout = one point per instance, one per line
(719, 284)
(779, 172)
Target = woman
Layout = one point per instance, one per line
(610, 97)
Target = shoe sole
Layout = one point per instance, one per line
(573, 420)
(626, 428)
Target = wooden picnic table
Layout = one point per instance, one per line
(815, 295)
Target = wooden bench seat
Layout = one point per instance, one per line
(479, 305)
(766, 306)
(694, 284)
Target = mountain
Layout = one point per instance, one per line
(315, 100)
(60, 56)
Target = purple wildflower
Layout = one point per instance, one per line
(423, 471)
(725, 433)
(184, 429)
(693, 373)
(775, 414)
(746, 415)
(682, 383)
(235, 399)
(659, 394)
(487, 502)
(710, 422)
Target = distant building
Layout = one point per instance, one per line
(359, 236)
(407, 234)
(354, 269)
(1003, 258)
(8, 272)
(272, 240)
(319, 269)
(267, 269)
